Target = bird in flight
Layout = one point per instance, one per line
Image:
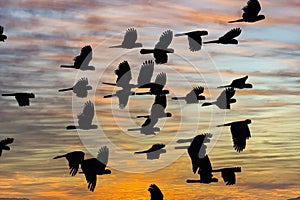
(22, 98)
(228, 174)
(161, 50)
(2, 36)
(83, 60)
(95, 166)
(155, 192)
(148, 127)
(239, 83)
(251, 11)
(156, 87)
(224, 99)
(153, 152)
(85, 118)
(129, 40)
(193, 96)
(240, 133)
(4, 143)
(74, 159)
(228, 38)
(194, 39)
(80, 88)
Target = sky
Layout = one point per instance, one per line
(42, 35)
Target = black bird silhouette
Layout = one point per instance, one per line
(224, 100)
(193, 96)
(2, 36)
(4, 143)
(161, 49)
(95, 166)
(83, 60)
(238, 83)
(158, 108)
(148, 127)
(156, 88)
(155, 192)
(153, 152)
(129, 40)
(228, 174)
(124, 75)
(205, 171)
(74, 159)
(194, 38)
(22, 98)
(228, 38)
(240, 133)
(85, 118)
(80, 88)
(251, 11)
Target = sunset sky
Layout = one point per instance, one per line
(42, 35)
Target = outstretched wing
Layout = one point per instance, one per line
(229, 93)
(228, 177)
(22, 99)
(161, 79)
(86, 117)
(130, 37)
(124, 74)
(6, 141)
(89, 171)
(164, 40)
(240, 132)
(74, 159)
(231, 34)
(88, 109)
(146, 73)
(239, 81)
(252, 8)
(195, 42)
(155, 192)
(84, 58)
(82, 82)
(161, 100)
(102, 157)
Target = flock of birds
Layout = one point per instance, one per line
(197, 148)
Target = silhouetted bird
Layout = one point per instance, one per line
(95, 166)
(124, 75)
(204, 170)
(228, 38)
(239, 83)
(224, 100)
(4, 143)
(2, 36)
(251, 11)
(83, 60)
(153, 152)
(148, 127)
(155, 193)
(193, 96)
(123, 97)
(161, 49)
(85, 118)
(240, 133)
(228, 174)
(158, 108)
(157, 87)
(80, 88)
(194, 38)
(74, 159)
(129, 40)
(22, 98)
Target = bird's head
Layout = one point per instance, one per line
(234, 41)
(138, 45)
(260, 17)
(4, 37)
(248, 85)
(248, 121)
(169, 114)
(107, 171)
(232, 100)
(31, 95)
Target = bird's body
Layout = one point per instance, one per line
(161, 49)
(228, 38)
(224, 100)
(83, 60)
(240, 133)
(95, 166)
(2, 36)
(4, 143)
(22, 98)
(129, 40)
(250, 12)
(239, 83)
(74, 159)
(193, 96)
(80, 88)
(194, 39)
